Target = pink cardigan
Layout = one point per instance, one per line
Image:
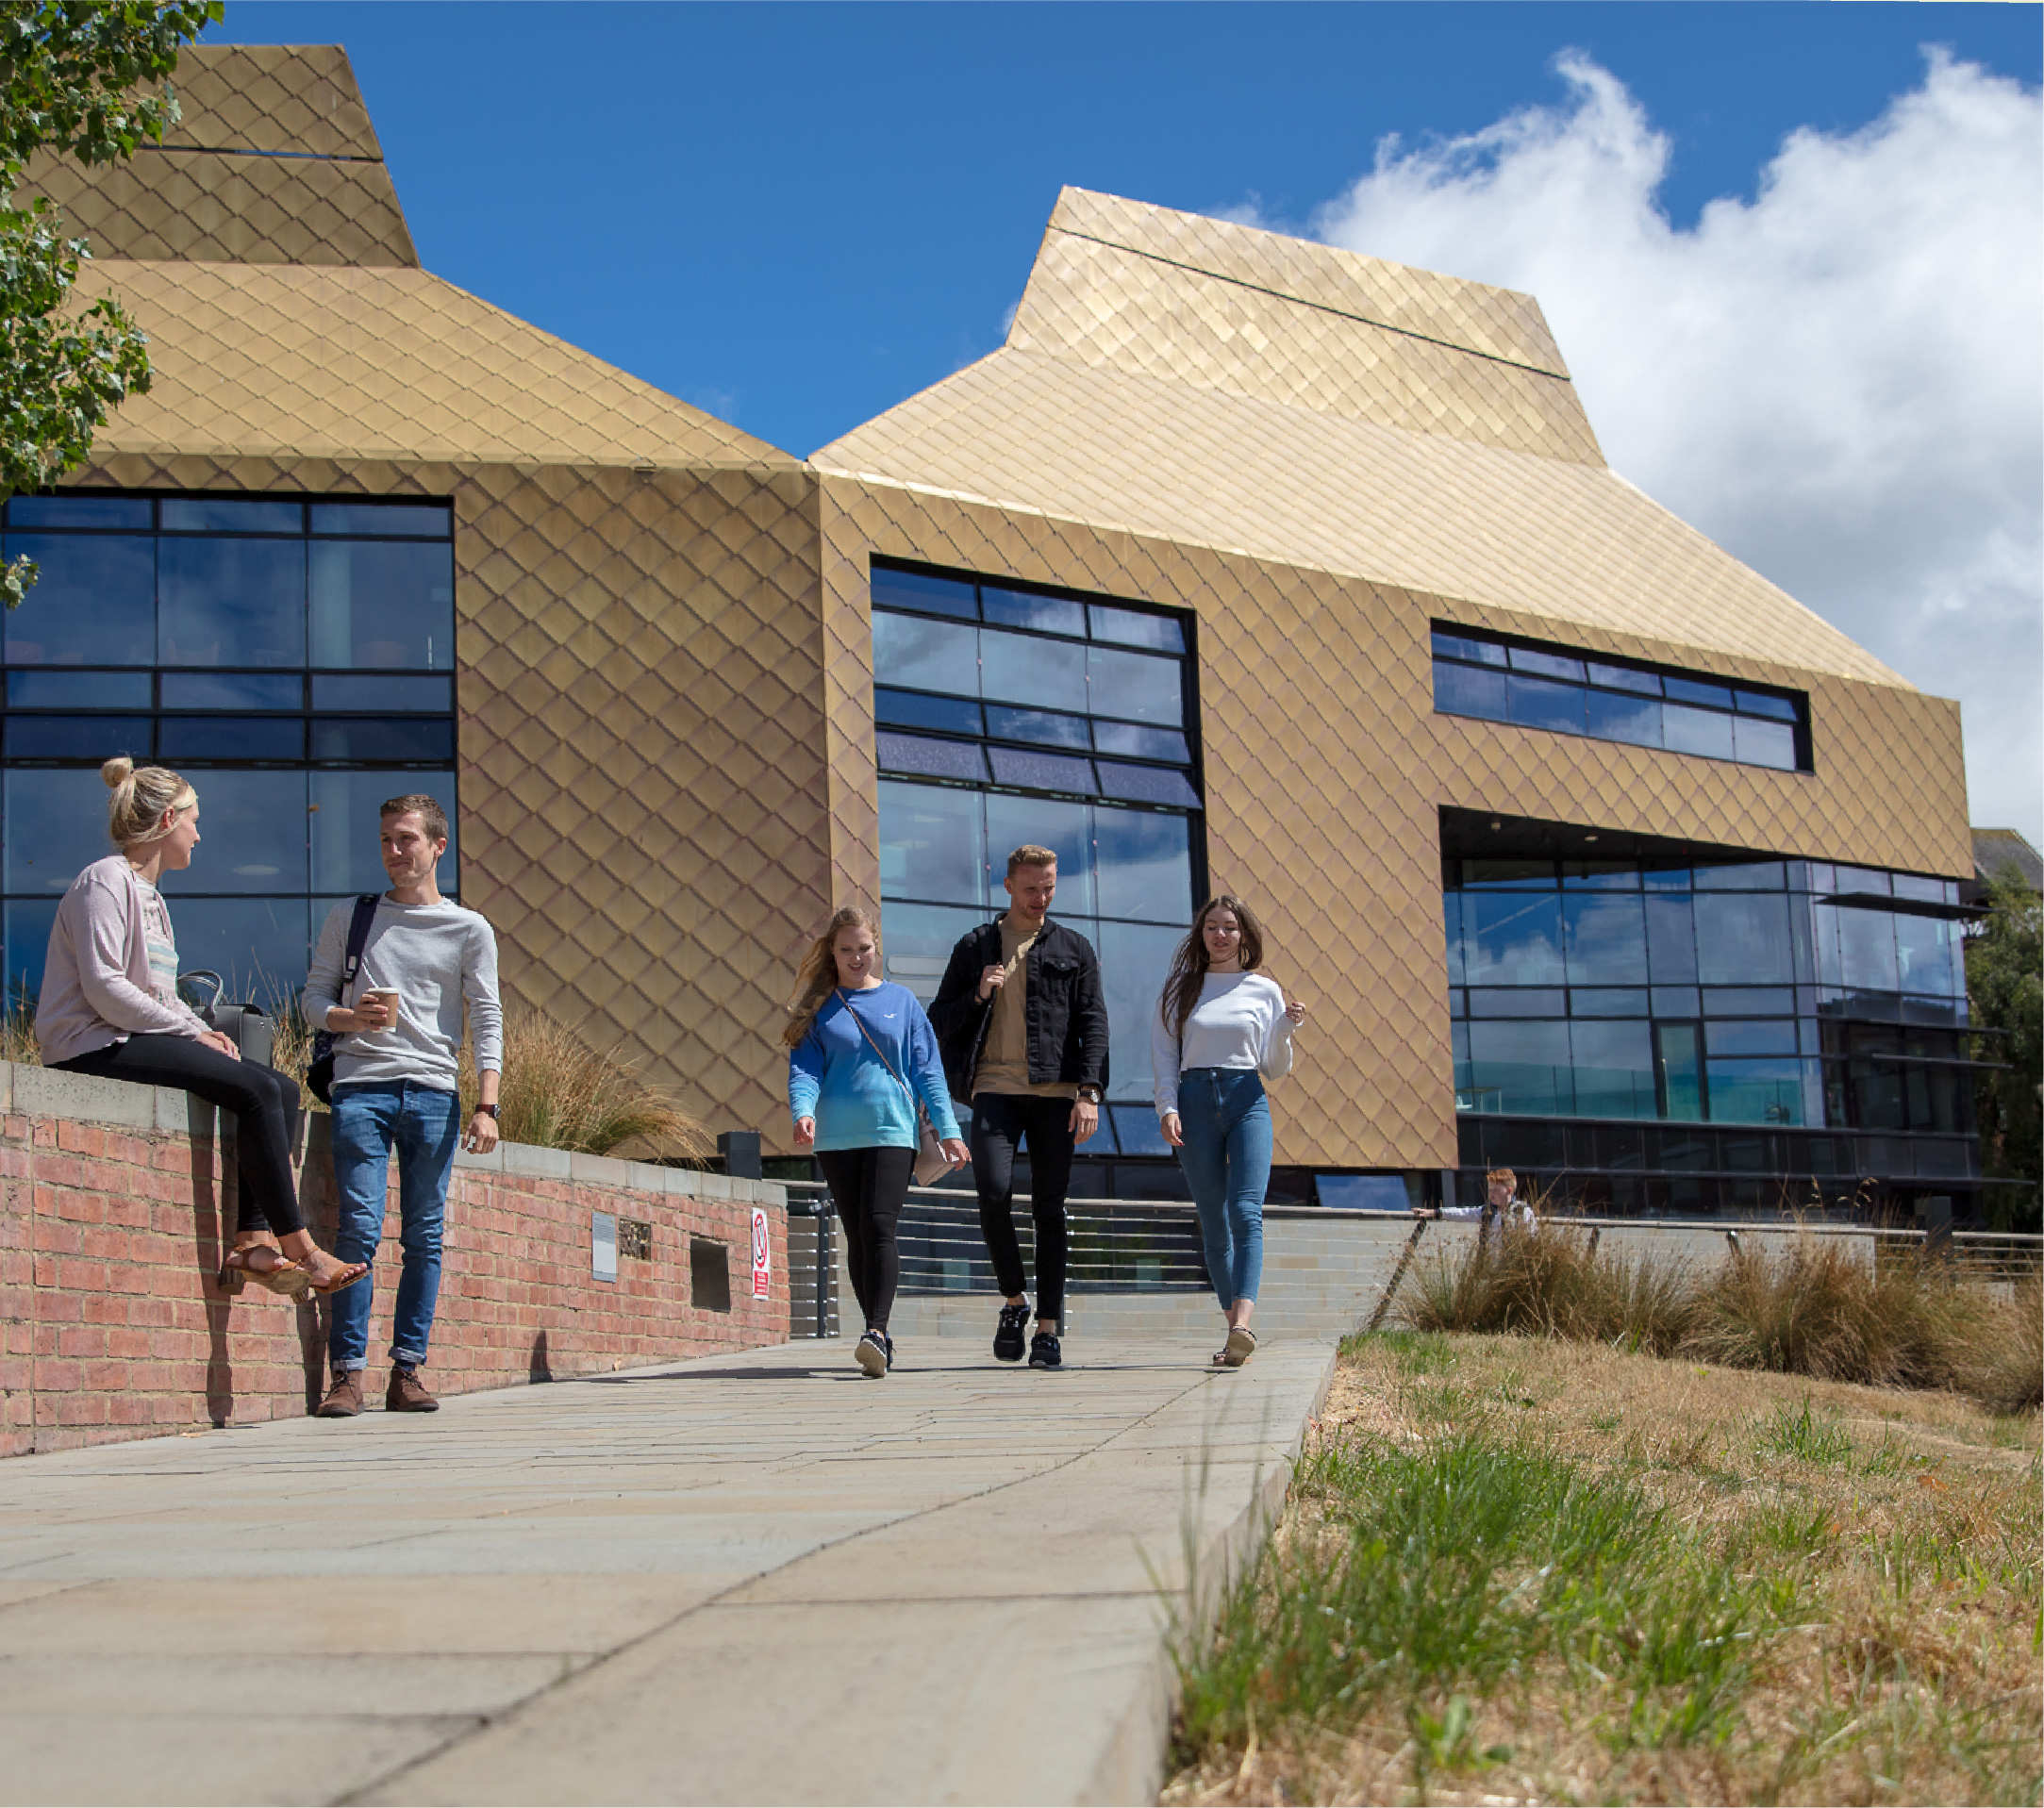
(95, 984)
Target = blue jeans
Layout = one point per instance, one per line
(1225, 1120)
(422, 1126)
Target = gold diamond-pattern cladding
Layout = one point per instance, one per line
(1496, 322)
(1564, 542)
(1105, 306)
(383, 363)
(274, 162)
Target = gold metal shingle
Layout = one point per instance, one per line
(1551, 540)
(1494, 323)
(1117, 309)
(262, 359)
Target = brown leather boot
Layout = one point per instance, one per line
(343, 1399)
(406, 1393)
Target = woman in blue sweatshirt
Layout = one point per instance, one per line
(857, 1047)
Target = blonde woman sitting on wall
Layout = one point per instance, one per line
(109, 1007)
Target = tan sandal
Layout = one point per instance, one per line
(345, 1275)
(1242, 1346)
(282, 1276)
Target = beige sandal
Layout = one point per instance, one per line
(282, 1276)
(1242, 1346)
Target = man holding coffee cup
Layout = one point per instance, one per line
(396, 1087)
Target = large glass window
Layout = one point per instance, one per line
(1725, 990)
(292, 658)
(1497, 679)
(995, 703)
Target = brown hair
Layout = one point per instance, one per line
(817, 977)
(141, 795)
(1191, 963)
(1029, 855)
(1504, 1175)
(431, 817)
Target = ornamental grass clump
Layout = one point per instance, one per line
(1554, 1283)
(1817, 1305)
(558, 1091)
(1826, 1306)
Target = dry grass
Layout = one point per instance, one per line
(1515, 1570)
(1807, 1305)
(1558, 1283)
(18, 1037)
(560, 1092)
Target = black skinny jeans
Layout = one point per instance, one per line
(264, 1102)
(1000, 1121)
(868, 1186)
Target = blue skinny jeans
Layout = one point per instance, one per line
(1225, 1120)
(422, 1125)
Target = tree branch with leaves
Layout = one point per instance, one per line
(90, 80)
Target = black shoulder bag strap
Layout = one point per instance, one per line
(319, 1074)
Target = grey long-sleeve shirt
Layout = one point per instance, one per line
(437, 957)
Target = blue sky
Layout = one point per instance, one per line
(797, 215)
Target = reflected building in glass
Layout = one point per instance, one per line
(1245, 565)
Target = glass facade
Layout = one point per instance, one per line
(1006, 715)
(1567, 692)
(293, 657)
(1760, 992)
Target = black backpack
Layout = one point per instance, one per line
(320, 1075)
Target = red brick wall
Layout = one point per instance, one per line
(111, 1325)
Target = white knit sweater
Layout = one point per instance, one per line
(1239, 1023)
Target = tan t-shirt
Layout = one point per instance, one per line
(1004, 1057)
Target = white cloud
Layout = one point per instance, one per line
(1839, 381)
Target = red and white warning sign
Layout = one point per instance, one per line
(762, 1255)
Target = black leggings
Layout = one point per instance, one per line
(868, 1185)
(1000, 1121)
(264, 1102)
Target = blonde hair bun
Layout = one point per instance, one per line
(141, 796)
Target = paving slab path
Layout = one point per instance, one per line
(757, 1578)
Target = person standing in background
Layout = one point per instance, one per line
(1022, 1027)
(396, 1085)
(1502, 1204)
(860, 1058)
(1221, 1028)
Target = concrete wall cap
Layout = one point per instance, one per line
(45, 1092)
(529, 1158)
(607, 1171)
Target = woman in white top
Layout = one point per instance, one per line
(1220, 1029)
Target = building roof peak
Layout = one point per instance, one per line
(1148, 291)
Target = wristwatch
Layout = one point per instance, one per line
(486, 1111)
(1091, 1094)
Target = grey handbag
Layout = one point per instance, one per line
(932, 1164)
(248, 1024)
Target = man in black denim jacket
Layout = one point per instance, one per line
(1021, 1025)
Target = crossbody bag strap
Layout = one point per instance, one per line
(358, 927)
(876, 1048)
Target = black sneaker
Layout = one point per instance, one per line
(1007, 1336)
(1044, 1353)
(891, 1354)
(872, 1354)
